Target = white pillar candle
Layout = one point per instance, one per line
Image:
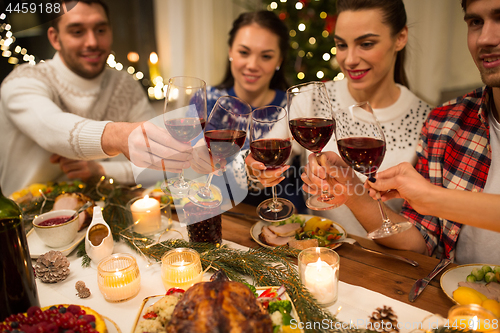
(320, 278)
(146, 215)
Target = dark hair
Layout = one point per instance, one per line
(57, 17)
(271, 22)
(464, 5)
(394, 16)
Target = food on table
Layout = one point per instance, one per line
(490, 290)
(28, 193)
(158, 315)
(56, 318)
(74, 201)
(286, 230)
(219, 306)
(319, 229)
(54, 221)
(467, 295)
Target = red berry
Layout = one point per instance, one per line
(74, 309)
(33, 310)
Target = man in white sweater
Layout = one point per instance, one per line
(61, 116)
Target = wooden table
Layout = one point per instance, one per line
(375, 272)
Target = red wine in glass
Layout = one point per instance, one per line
(365, 155)
(312, 133)
(272, 152)
(361, 143)
(312, 123)
(224, 143)
(271, 144)
(186, 129)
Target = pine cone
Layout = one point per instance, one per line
(83, 291)
(52, 267)
(384, 320)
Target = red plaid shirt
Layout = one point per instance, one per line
(453, 152)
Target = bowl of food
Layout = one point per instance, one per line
(56, 228)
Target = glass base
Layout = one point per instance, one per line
(268, 212)
(315, 203)
(176, 187)
(211, 198)
(389, 230)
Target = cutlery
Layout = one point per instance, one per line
(394, 256)
(81, 209)
(420, 284)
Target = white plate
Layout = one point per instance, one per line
(111, 325)
(37, 247)
(450, 279)
(148, 301)
(257, 229)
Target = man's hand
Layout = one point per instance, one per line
(147, 146)
(78, 169)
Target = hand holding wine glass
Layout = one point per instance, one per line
(184, 115)
(270, 144)
(225, 134)
(361, 143)
(312, 123)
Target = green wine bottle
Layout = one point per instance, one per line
(17, 282)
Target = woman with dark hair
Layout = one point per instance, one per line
(258, 47)
(371, 38)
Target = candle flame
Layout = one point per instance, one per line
(153, 57)
(318, 266)
(146, 196)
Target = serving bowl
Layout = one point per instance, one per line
(59, 234)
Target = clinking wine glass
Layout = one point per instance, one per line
(312, 123)
(271, 144)
(225, 134)
(184, 116)
(361, 143)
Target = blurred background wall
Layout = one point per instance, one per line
(158, 39)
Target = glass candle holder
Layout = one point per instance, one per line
(181, 268)
(473, 317)
(146, 215)
(118, 277)
(204, 225)
(319, 272)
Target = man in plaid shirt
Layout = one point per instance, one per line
(459, 150)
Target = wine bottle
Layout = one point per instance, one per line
(17, 283)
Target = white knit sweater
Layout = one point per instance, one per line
(48, 109)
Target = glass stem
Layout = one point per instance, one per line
(385, 218)
(181, 177)
(324, 193)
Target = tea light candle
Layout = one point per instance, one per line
(473, 317)
(146, 215)
(181, 268)
(319, 278)
(118, 277)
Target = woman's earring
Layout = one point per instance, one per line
(277, 68)
(230, 59)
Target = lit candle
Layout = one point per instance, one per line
(320, 279)
(118, 277)
(146, 215)
(181, 268)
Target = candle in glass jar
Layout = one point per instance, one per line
(118, 277)
(181, 268)
(319, 278)
(146, 215)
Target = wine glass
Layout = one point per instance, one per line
(225, 134)
(271, 144)
(312, 123)
(361, 144)
(184, 116)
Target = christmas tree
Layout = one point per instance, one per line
(312, 25)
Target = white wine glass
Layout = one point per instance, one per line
(184, 115)
(361, 143)
(271, 144)
(312, 123)
(225, 134)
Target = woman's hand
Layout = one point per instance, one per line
(202, 162)
(402, 181)
(333, 176)
(267, 177)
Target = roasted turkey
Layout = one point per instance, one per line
(219, 306)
